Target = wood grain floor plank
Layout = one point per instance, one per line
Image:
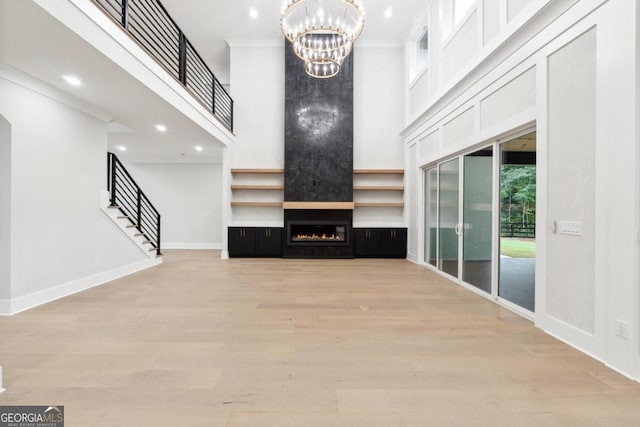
(199, 341)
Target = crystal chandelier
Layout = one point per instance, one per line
(322, 32)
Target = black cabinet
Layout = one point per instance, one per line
(268, 242)
(366, 242)
(242, 241)
(393, 242)
(380, 242)
(255, 242)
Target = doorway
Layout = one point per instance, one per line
(516, 282)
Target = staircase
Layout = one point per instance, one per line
(127, 205)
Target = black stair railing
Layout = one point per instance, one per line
(126, 195)
(148, 22)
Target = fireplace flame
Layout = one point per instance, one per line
(316, 237)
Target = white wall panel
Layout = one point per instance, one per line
(419, 93)
(461, 48)
(517, 96)
(459, 130)
(491, 17)
(571, 181)
(514, 7)
(428, 147)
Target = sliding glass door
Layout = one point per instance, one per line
(431, 217)
(482, 232)
(448, 212)
(478, 218)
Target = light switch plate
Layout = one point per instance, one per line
(570, 228)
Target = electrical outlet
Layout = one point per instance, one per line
(621, 329)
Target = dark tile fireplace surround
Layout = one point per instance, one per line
(318, 161)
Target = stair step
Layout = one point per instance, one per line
(131, 226)
(124, 217)
(146, 242)
(139, 234)
(153, 249)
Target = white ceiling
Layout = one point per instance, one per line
(35, 43)
(208, 23)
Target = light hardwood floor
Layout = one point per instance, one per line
(202, 342)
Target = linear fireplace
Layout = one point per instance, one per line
(318, 233)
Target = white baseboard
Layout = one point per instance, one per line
(192, 245)
(2, 389)
(20, 304)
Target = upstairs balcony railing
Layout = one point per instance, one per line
(148, 22)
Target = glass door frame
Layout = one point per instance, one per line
(495, 244)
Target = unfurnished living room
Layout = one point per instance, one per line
(319, 213)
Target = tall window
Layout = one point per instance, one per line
(460, 10)
(422, 52)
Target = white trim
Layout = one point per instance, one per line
(122, 224)
(523, 312)
(196, 246)
(2, 389)
(419, 76)
(35, 299)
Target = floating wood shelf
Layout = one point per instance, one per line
(378, 188)
(319, 205)
(378, 171)
(258, 204)
(257, 171)
(257, 187)
(378, 205)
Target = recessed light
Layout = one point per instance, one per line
(121, 148)
(161, 128)
(388, 12)
(198, 148)
(72, 80)
(253, 13)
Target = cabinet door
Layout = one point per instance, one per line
(367, 242)
(393, 242)
(242, 242)
(269, 242)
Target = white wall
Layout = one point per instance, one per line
(259, 124)
(5, 209)
(569, 68)
(59, 236)
(378, 107)
(257, 87)
(189, 199)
